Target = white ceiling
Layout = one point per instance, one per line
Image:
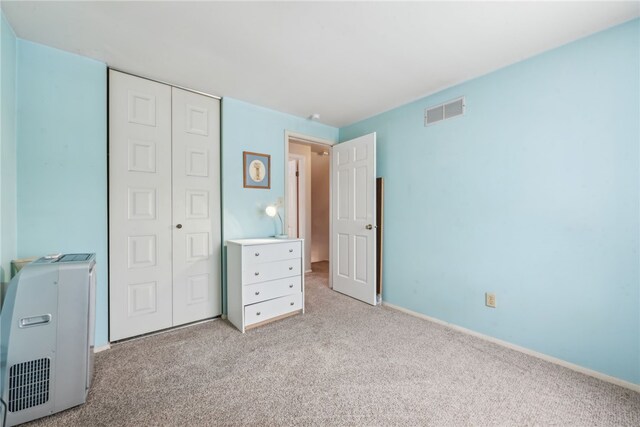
(344, 60)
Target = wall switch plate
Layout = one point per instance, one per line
(490, 299)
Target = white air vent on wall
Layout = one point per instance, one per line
(444, 111)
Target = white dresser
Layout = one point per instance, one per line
(265, 280)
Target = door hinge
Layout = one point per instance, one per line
(297, 173)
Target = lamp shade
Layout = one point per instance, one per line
(271, 211)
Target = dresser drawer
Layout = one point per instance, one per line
(275, 307)
(272, 289)
(273, 252)
(271, 271)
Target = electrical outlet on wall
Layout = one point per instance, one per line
(490, 299)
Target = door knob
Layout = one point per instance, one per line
(369, 227)
(179, 226)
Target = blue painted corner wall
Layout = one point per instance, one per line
(62, 159)
(533, 194)
(8, 212)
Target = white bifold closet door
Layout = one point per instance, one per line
(196, 207)
(164, 216)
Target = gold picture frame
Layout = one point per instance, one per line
(256, 170)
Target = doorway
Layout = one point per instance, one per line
(308, 197)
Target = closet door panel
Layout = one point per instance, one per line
(140, 292)
(196, 208)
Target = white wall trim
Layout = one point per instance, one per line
(98, 349)
(545, 357)
(302, 196)
(305, 138)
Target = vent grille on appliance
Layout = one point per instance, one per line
(29, 384)
(444, 111)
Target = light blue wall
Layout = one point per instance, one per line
(62, 162)
(533, 195)
(8, 248)
(246, 127)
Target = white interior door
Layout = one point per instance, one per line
(292, 199)
(354, 218)
(140, 294)
(196, 192)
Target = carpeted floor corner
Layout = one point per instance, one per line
(343, 363)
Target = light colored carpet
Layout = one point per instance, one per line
(342, 363)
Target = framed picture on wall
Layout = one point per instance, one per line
(256, 169)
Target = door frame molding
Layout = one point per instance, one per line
(219, 98)
(296, 136)
(302, 201)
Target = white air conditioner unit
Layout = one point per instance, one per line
(47, 330)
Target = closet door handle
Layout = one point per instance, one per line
(257, 253)
(290, 250)
(290, 268)
(258, 314)
(291, 303)
(179, 226)
(257, 273)
(258, 293)
(291, 285)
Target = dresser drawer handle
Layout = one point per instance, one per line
(258, 293)
(291, 285)
(290, 250)
(257, 253)
(290, 268)
(257, 273)
(291, 303)
(258, 313)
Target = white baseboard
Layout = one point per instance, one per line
(545, 357)
(101, 348)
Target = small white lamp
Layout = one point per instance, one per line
(272, 211)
